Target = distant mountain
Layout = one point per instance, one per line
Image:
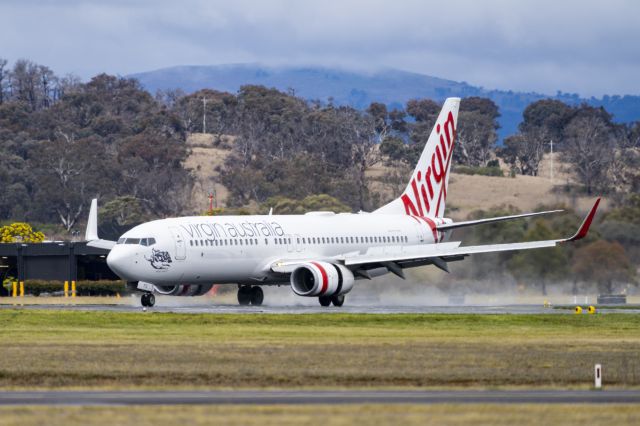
(359, 89)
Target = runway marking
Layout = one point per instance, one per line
(318, 397)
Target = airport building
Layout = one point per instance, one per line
(54, 261)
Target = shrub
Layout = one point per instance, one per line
(483, 171)
(83, 288)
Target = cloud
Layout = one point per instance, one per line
(590, 48)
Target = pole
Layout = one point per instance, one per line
(551, 160)
(204, 115)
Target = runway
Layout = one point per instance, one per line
(187, 308)
(182, 306)
(318, 397)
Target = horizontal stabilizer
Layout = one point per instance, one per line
(103, 244)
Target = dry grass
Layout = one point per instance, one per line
(472, 192)
(49, 349)
(203, 161)
(521, 414)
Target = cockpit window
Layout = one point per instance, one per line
(147, 241)
(142, 241)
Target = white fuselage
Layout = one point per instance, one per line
(241, 249)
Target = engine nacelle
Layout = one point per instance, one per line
(321, 279)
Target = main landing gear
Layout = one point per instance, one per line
(328, 300)
(148, 300)
(250, 295)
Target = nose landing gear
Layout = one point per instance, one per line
(250, 295)
(148, 300)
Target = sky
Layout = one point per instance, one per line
(586, 47)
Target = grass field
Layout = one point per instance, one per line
(63, 349)
(326, 415)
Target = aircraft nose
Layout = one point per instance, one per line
(116, 261)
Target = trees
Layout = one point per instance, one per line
(476, 133)
(539, 266)
(20, 231)
(590, 146)
(4, 77)
(319, 202)
(604, 263)
(542, 122)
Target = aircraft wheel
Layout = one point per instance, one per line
(257, 296)
(144, 300)
(324, 300)
(151, 299)
(244, 295)
(338, 300)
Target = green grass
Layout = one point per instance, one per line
(63, 349)
(516, 414)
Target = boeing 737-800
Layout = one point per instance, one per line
(319, 254)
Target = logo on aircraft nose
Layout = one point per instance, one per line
(159, 259)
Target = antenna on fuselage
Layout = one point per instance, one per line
(270, 211)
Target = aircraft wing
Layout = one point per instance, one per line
(397, 257)
(448, 226)
(444, 251)
(103, 244)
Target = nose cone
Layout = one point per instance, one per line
(116, 260)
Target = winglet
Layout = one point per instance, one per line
(92, 224)
(584, 228)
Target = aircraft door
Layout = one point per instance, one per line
(290, 241)
(181, 244)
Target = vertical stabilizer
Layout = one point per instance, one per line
(91, 233)
(426, 193)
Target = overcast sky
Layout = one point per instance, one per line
(588, 47)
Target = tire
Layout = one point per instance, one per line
(144, 300)
(337, 300)
(324, 300)
(244, 295)
(151, 300)
(257, 296)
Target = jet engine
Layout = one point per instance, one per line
(321, 279)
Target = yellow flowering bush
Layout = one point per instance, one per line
(20, 231)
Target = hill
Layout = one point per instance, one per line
(466, 192)
(358, 89)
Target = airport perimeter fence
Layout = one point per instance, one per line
(57, 288)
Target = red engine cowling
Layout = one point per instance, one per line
(321, 279)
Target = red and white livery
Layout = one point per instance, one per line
(319, 254)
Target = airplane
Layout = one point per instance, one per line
(319, 254)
